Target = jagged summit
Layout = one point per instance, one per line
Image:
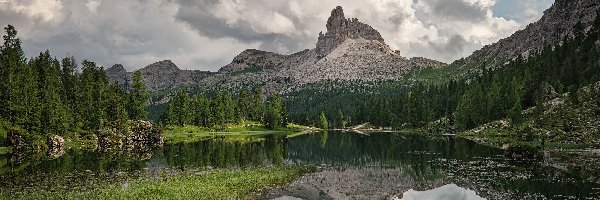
(339, 29)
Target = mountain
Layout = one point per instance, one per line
(349, 51)
(556, 23)
(158, 76)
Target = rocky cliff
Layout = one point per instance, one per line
(558, 21)
(339, 29)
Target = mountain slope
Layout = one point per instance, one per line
(557, 22)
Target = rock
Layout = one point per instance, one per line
(139, 137)
(339, 29)
(56, 146)
(549, 92)
(118, 74)
(158, 76)
(557, 22)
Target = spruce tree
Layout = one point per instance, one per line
(273, 118)
(138, 98)
(322, 121)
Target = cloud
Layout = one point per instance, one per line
(207, 34)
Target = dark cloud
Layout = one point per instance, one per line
(456, 10)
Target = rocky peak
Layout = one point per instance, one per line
(339, 29)
(117, 73)
(162, 66)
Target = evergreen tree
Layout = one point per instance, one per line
(322, 123)
(180, 108)
(273, 118)
(138, 98)
(18, 88)
(54, 114)
(117, 103)
(69, 80)
(257, 104)
(244, 104)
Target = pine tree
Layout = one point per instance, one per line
(54, 119)
(322, 123)
(180, 108)
(257, 104)
(116, 110)
(244, 104)
(273, 118)
(69, 80)
(138, 98)
(18, 89)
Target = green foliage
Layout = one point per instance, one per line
(44, 96)
(223, 109)
(273, 115)
(322, 123)
(138, 98)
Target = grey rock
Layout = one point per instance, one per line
(56, 146)
(557, 23)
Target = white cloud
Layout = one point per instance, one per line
(207, 34)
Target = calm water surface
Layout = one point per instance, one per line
(456, 166)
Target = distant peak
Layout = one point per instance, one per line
(163, 65)
(117, 67)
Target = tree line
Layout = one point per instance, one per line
(44, 95)
(224, 108)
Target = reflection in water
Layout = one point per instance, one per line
(446, 192)
(440, 161)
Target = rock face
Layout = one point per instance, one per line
(118, 74)
(558, 21)
(339, 29)
(139, 136)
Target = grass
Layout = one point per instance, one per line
(246, 131)
(216, 184)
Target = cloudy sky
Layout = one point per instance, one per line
(207, 34)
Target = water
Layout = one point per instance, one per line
(442, 166)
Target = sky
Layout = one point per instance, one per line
(207, 34)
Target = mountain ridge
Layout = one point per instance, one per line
(350, 51)
(353, 51)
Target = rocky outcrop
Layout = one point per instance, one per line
(117, 73)
(56, 146)
(558, 22)
(253, 60)
(339, 29)
(138, 136)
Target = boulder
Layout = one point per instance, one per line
(56, 146)
(138, 136)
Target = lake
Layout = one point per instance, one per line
(350, 165)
